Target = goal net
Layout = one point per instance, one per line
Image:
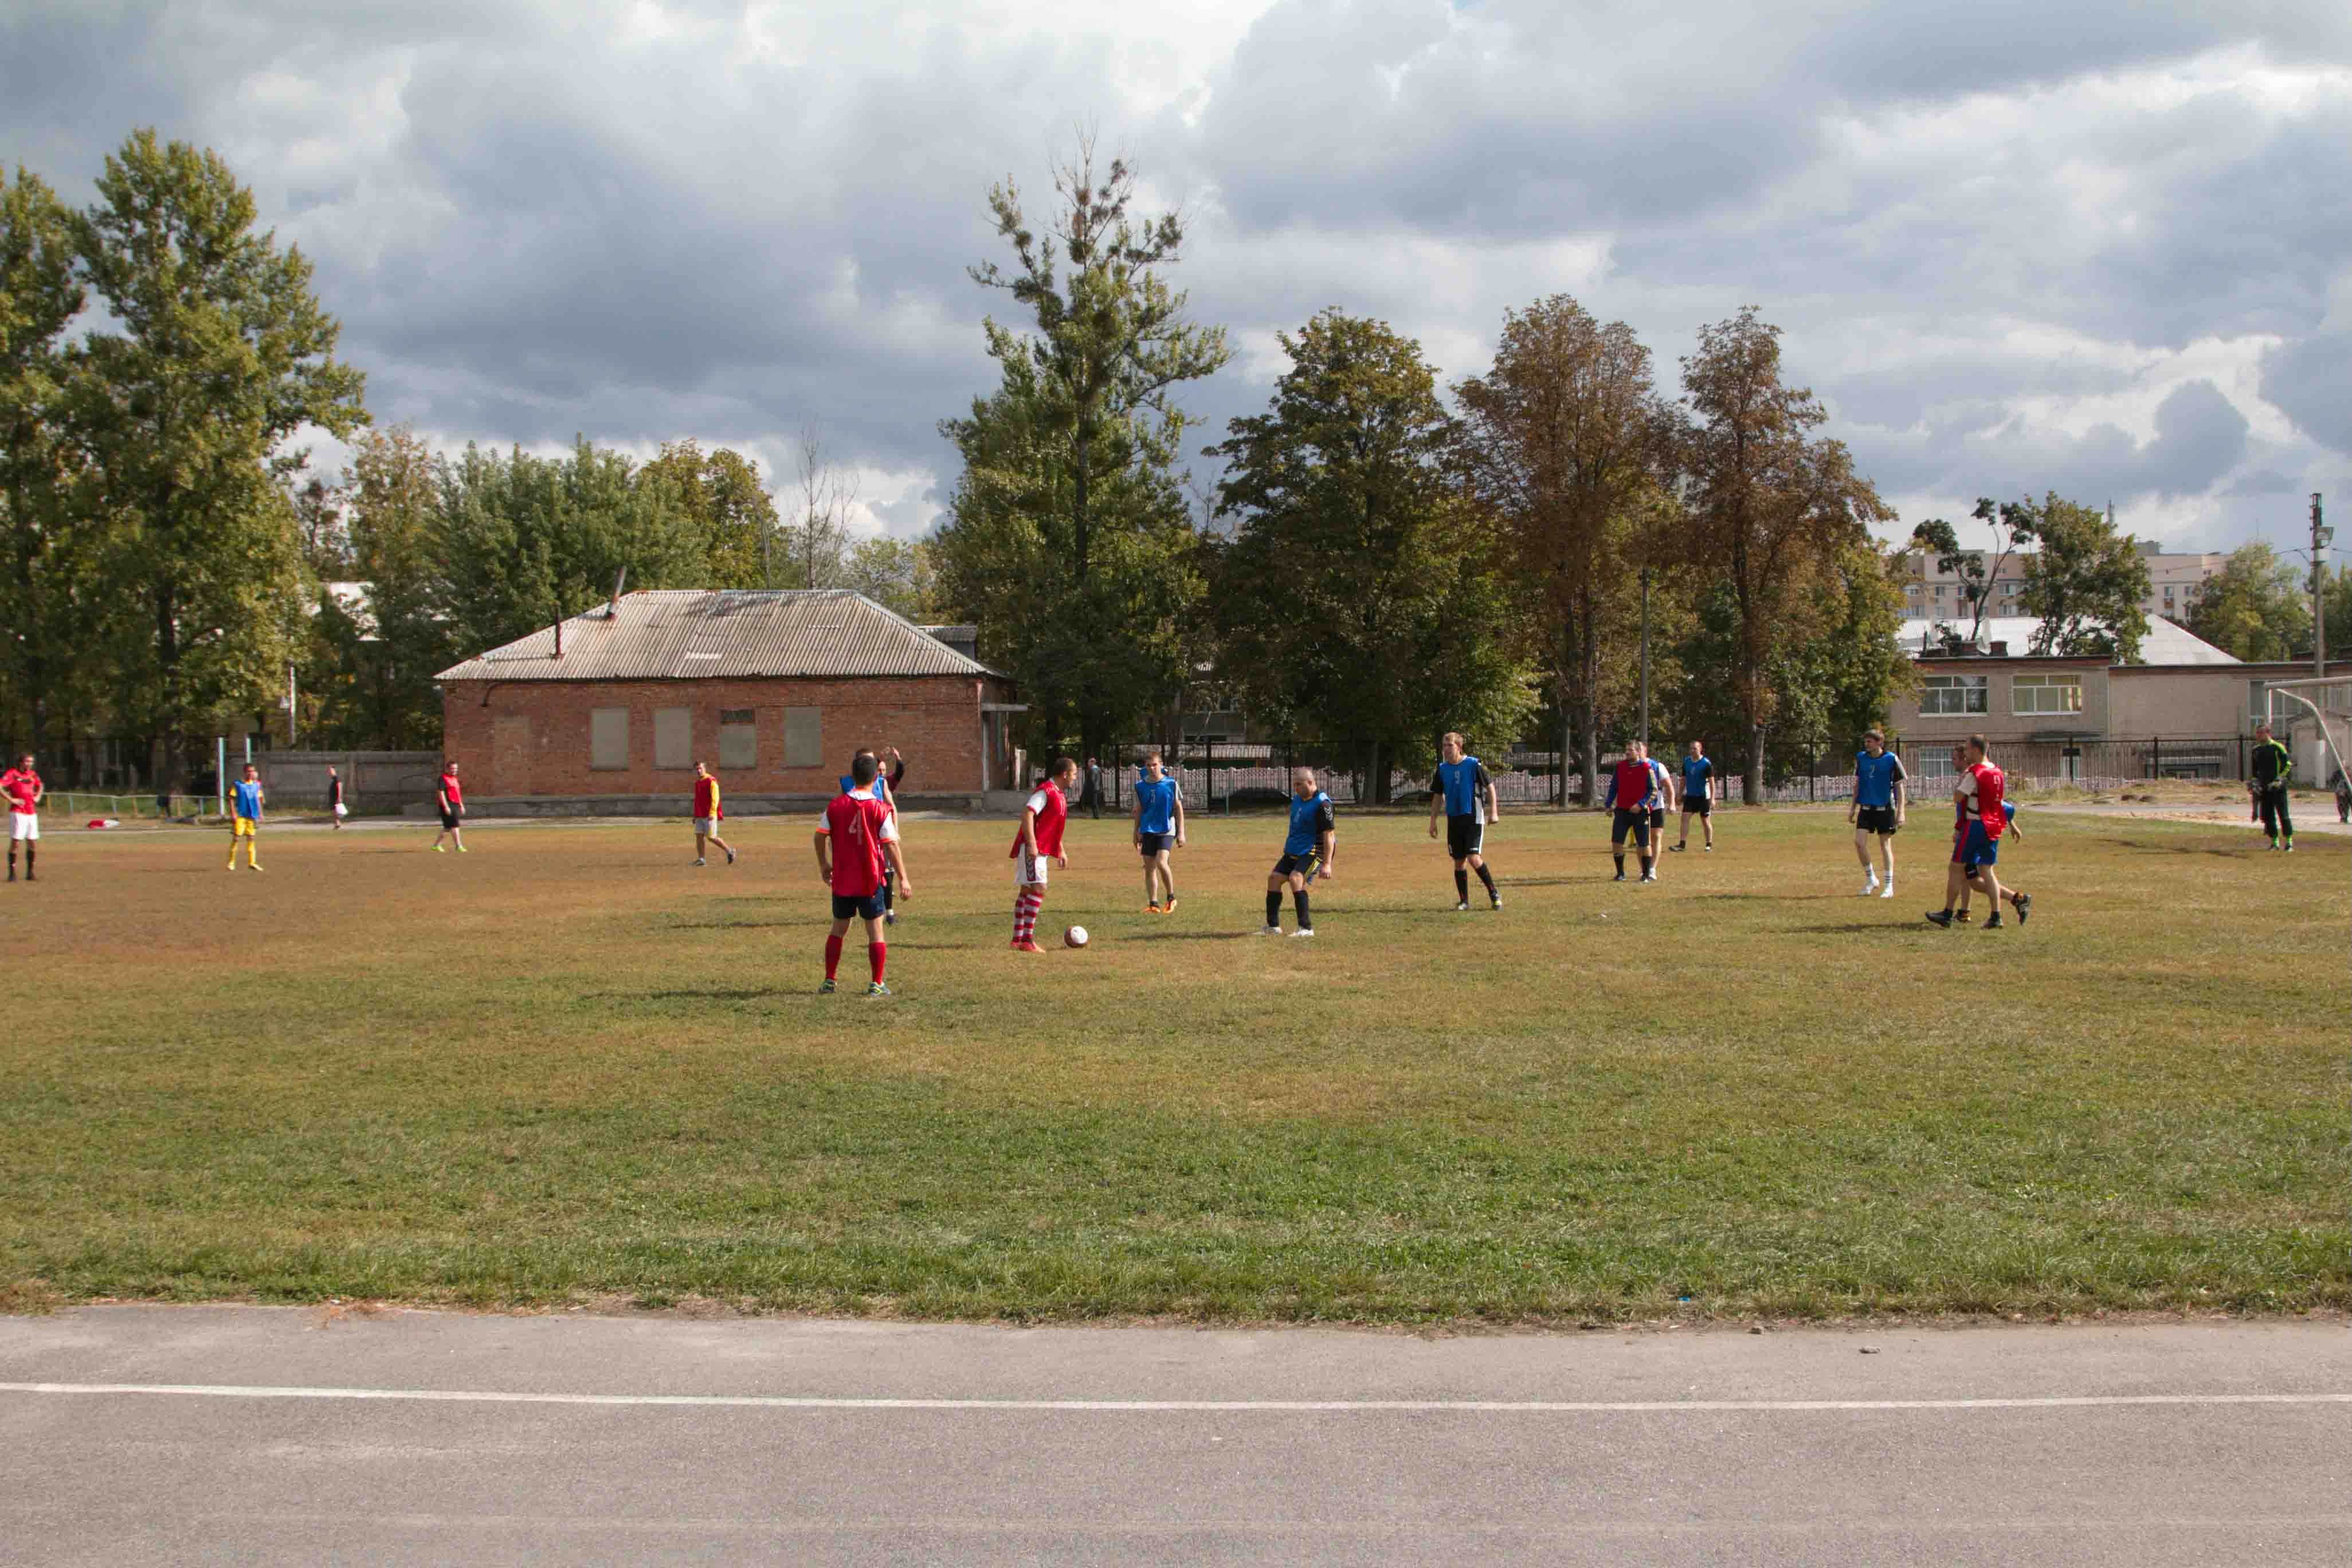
(2315, 718)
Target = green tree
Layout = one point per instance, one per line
(2086, 582)
(2011, 523)
(2336, 603)
(214, 353)
(1358, 600)
(44, 592)
(1069, 543)
(1774, 509)
(1560, 449)
(2254, 607)
(386, 653)
(898, 573)
(520, 541)
(723, 503)
(1092, 652)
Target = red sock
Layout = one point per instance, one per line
(831, 956)
(875, 954)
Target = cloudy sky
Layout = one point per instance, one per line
(2094, 245)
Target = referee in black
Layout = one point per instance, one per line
(2270, 766)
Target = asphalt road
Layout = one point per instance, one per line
(253, 1434)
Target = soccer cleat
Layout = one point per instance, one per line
(730, 857)
(253, 865)
(1679, 848)
(2288, 847)
(2024, 902)
(1269, 931)
(1869, 889)
(2273, 845)
(1304, 930)
(1618, 877)
(889, 917)
(825, 989)
(1992, 920)
(1498, 906)
(461, 849)
(1707, 848)
(877, 989)
(1151, 908)
(1940, 917)
(1963, 917)
(1887, 891)
(697, 860)
(1170, 908)
(438, 850)
(1463, 908)
(1027, 947)
(1649, 875)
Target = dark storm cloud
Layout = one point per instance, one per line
(642, 222)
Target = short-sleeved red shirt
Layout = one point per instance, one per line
(859, 824)
(23, 788)
(450, 788)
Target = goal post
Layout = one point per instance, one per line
(2321, 705)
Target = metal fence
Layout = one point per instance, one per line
(1223, 775)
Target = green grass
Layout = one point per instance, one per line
(569, 1067)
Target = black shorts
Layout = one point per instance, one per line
(1464, 836)
(1153, 843)
(1703, 805)
(1305, 865)
(1658, 818)
(1637, 819)
(1874, 820)
(448, 819)
(853, 905)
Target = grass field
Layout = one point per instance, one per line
(569, 1067)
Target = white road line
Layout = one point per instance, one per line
(1237, 1406)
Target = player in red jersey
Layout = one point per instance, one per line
(1978, 798)
(451, 798)
(22, 785)
(856, 838)
(708, 813)
(1036, 845)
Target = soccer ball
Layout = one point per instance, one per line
(1075, 937)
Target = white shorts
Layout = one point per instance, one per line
(25, 826)
(705, 827)
(341, 810)
(1030, 870)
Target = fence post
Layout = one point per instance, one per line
(2155, 757)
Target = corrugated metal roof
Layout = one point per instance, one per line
(663, 633)
(2168, 642)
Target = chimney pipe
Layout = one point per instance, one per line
(559, 637)
(612, 610)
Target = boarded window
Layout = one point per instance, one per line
(673, 737)
(608, 738)
(739, 743)
(803, 742)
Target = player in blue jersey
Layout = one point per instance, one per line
(245, 798)
(1307, 854)
(1158, 826)
(1463, 790)
(1877, 810)
(1699, 794)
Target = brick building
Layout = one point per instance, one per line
(609, 712)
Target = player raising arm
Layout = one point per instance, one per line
(857, 837)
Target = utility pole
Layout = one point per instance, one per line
(2319, 538)
(1645, 654)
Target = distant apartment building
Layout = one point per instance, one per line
(2174, 578)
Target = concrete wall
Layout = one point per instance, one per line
(2001, 721)
(2175, 699)
(372, 781)
(527, 743)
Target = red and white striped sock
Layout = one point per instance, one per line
(1025, 906)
